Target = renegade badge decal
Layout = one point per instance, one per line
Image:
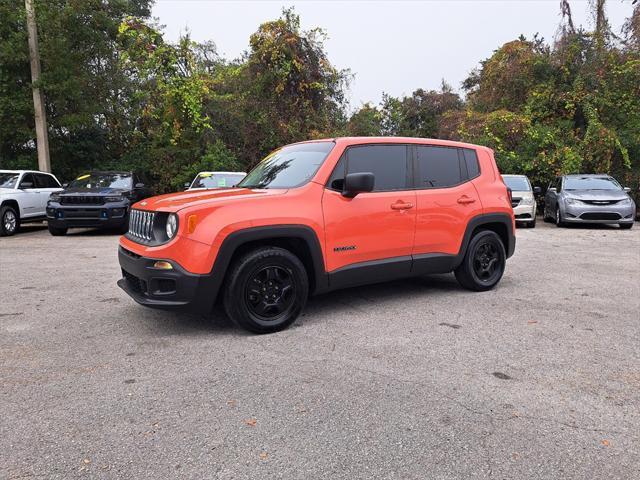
(344, 249)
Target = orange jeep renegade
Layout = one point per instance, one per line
(318, 216)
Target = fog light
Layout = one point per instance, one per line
(59, 214)
(162, 265)
(103, 214)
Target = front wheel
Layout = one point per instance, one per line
(484, 262)
(559, 222)
(266, 290)
(9, 221)
(55, 231)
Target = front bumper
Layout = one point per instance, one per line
(524, 213)
(175, 289)
(584, 213)
(110, 215)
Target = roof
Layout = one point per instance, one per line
(513, 175)
(24, 171)
(404, 140)
(592, 175)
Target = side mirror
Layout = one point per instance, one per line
(24, 185)
(139, 185)
(187, 185)
(627, 189)
(65, 185)
(553, 189)
(537, 190)
(355, 183)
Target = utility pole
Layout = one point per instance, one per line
(44, 163)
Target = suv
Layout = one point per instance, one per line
(215, 180)
(588, 199)
(523, 199)
(97, 199)
(23, 198)
(318, 216)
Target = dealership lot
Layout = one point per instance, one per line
(412, 379)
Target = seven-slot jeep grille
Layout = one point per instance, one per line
(141, 225)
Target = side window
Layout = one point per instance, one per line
(471, 159)
(27, 178)
(438, 167)
(558, 184)
(336, 180)
(387, 162)
(46, 181)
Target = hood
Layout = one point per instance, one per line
(596, 194)
(522, 193)
(6, 191)
(94, 191)
(172, 202)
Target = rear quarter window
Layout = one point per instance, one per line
(471, 160)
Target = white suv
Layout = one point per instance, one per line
(523, 199)
(23, 198)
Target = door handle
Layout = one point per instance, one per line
(401, 206)
(464, 200)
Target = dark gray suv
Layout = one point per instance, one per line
(588, 199)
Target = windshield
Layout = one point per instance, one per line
(591, 183)
(216, 180)
(103, 180)
(8, 180)
(517, 184)
(288, 167)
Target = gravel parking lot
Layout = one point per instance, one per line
(414, 379)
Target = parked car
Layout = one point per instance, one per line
(23, 198)
(206, 180)
(523, 199)
(588, 199)
(96, 199)
(319, 216)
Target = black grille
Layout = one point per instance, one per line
(600, 216)
(600, 202)
(81, 200)
(141, 225)
(136, 284)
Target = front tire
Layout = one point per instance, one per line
(9, 221)
(266, 290)
(626, 226)
(558, 218)
(55, 231)
(484, 262)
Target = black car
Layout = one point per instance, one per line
(97, 199)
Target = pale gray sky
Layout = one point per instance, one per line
(390, 46)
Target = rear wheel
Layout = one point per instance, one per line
(9, 221)
(56, 231)
(266, 290)
(484, 262)
(626, 226)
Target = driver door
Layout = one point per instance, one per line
(372, 233)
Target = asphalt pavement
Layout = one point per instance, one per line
(415, 379)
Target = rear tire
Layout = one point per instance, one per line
(9, 221)
(484, 262)
(266, 290)
(57, 232)
(626, 226)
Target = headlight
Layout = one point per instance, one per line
(573, 201)
(526, 201)
(114, 198)
(626, 201)
(55, 197)
(172, 225)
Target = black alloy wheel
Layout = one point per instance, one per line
(266, 289)
(484, 262)
(270, 291)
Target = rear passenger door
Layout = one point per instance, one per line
(46, 184)
(446, 198)
(377, 226)
(29, 199)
